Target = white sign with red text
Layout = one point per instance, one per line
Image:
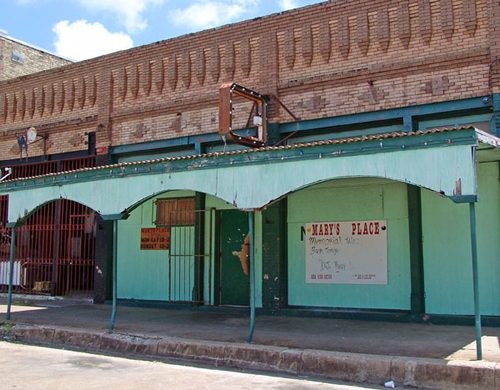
(353, 252)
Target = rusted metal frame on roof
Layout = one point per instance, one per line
(226, 92)
(322, 149)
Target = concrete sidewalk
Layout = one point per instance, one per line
(420, 355)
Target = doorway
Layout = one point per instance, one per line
(233, 266)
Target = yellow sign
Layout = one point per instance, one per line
(155, 239)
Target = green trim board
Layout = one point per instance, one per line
(469, 106)
(359, 145)
(279, 171)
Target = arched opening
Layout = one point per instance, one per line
(202, 262)
(55, 250)
(163, 249)
(348, 245)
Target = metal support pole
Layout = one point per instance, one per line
(251, 260)
(475, 279)
(11, 270)
(113, 309)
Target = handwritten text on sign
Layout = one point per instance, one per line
(155, 238)
(353, 252)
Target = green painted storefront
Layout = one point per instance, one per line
(420, 184)
(143, 275)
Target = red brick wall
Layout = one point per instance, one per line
(334, 58)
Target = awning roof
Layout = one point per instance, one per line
(441, 159)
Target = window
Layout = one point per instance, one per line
(171, 212)
(18, 57)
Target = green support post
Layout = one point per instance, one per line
(251, 260)
(11, 271)
(113, 309)
(475, 279)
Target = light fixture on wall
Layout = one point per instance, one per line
(30, 136)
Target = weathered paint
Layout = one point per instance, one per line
(218, 204)
(447, 252)
(142, 274)
(346, 200)
(237, 184)
(234, 257)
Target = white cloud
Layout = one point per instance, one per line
(288, 4)
(81, 40)
(129, 11)
(207, 13)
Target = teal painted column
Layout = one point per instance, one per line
(475, 279)
(251, 260)
(115, 277)
(11, 270)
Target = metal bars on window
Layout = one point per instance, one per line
(188, 257)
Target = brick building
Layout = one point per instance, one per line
(18, 58)
(374, 109)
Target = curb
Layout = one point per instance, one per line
(349, 367)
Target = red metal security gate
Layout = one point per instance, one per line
(55, 248)
(55, 251)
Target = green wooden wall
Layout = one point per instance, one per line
(447, 253)
(142, 274)
(346, 200)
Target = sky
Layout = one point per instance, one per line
(82, 29)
